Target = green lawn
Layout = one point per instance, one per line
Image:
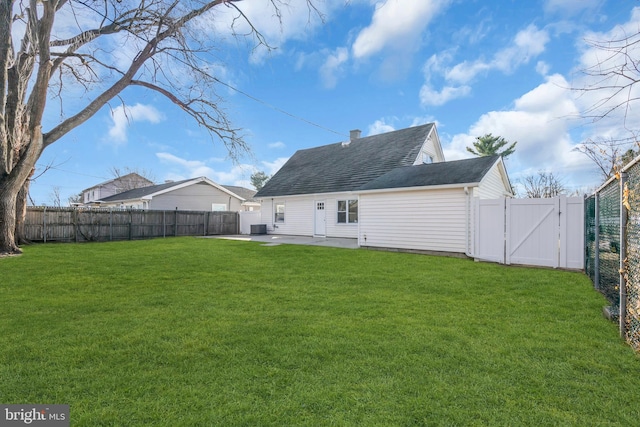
(205, 332)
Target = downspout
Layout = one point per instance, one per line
(467, 227)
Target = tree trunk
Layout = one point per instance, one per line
(10, 186)
(8, 197)
(21, 213)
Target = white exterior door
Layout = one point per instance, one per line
(321, 219)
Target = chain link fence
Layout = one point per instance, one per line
(612, 221)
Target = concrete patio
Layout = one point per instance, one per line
(274, 240)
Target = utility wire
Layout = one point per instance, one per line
(279, 109)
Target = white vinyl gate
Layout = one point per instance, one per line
(543, 232)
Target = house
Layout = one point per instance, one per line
(392, 190)
(113, 186)
(197, 194)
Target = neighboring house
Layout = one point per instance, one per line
(113, 186)
(197, 194)
(392, 190)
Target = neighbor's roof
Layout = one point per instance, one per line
(126, 177)
(346, 167)
(139, 193)
(467, 171)
(243, 192)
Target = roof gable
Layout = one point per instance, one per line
(348, 166)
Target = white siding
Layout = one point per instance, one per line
(298, 216)
(492, 185)
(340, 230)
(197, 197)
(431, 220)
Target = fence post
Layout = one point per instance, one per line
(130, 223)
(175, 224)
(44, 224)
(111, 224)
(623, 257)
(77, 226)
(596, 255)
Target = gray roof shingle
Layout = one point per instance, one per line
(467, 171)
(346, 167)
(137, 193)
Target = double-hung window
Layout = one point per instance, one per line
(279, 212)
(347, 211)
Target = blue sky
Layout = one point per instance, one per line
(472, 67)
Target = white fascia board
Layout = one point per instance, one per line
(437, 140)
(421, 188)
(314, 195)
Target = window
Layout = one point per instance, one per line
(218, 207)
(279, 216)
(426, 158)
(347, 211)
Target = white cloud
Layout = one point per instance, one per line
(395, 24)
(604, 96)
(526, 45)
(380, 126)
(277, 145)
(185, 169)
(541, 122)
(124, 116)
(570, 7)
(273, 167)
(456, 80)
(430, 96)
(333, 66)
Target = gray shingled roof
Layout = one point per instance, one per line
(338, 167)
(245, 193)
(468, 171)
(137, 193)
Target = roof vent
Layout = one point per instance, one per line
(168, 181)
(355, 134)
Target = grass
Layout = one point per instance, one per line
(203, 332)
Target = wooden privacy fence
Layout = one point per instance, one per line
(47, 224)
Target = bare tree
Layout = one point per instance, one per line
(610, 155)
(168, 55)
(615, 75)
(612, 83)
(54, 197)
(543, 185)
(140, 178)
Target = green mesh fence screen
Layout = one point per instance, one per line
(609, 243)
(603, 245)
(590, 237)
(633, 256)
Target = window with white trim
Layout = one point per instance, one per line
(348, 211)
(279, 212)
